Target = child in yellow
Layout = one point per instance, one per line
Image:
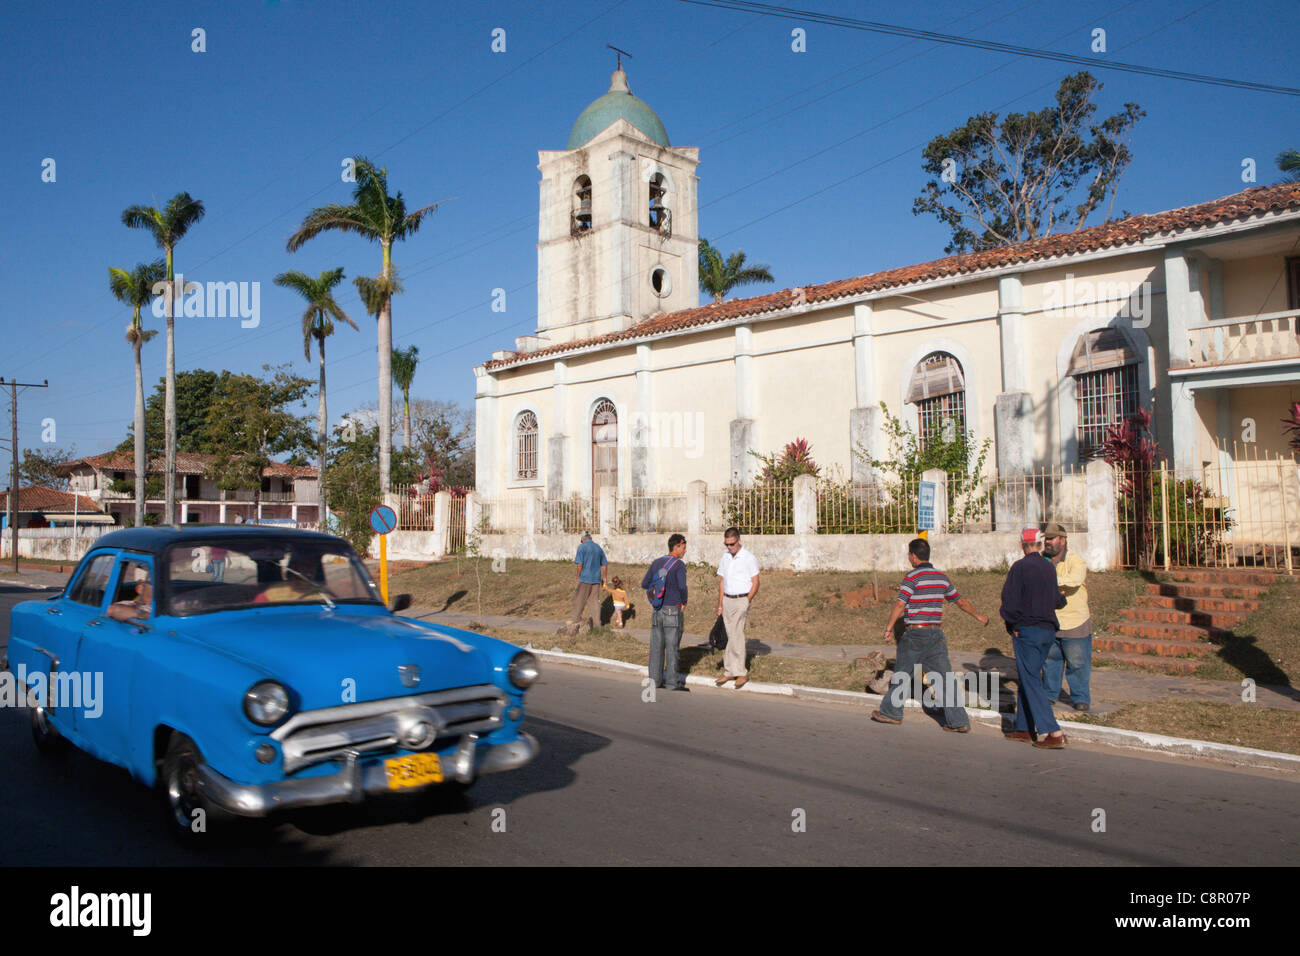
(619, 597)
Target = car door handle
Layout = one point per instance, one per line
(53, 610)
(94, 622)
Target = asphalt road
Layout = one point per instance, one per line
(709, 777)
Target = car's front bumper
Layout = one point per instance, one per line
(356, 779)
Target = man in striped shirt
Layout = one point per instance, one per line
(923, 648)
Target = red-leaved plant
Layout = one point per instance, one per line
(1292, 425)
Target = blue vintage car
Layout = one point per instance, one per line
(245, 670)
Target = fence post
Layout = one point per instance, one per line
(473, 514)
(805, 505)
(697, 493)
(608, 503)
(1164, 510)
(1286, 528)
(940, 479)
(441, 526)
(1102, 514)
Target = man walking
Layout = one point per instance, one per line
(665, 585)
(1070, 656)
(1029, 602)
(923, 647)
(591, 576)
(737, 585)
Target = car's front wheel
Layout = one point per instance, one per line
(191, 818)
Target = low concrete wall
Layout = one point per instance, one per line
(53, 544)
(790, 552)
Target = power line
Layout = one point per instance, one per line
(787, 13)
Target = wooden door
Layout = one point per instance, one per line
(604, 448)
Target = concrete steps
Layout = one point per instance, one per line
(1181, 619)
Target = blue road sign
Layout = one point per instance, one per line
(383, 519)
(925, 506)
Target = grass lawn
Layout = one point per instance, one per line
(1266, 645)
(804, 608)
(1245, 725)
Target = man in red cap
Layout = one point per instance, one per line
(1029, 601)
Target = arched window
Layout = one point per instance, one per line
(526, 447)
(604, 447)
(938, 390)
(660, 216)
(1105, 371)
(581, 219)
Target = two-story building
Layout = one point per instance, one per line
(288, 493)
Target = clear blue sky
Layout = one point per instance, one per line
(809, 161)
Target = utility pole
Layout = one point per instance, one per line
(13, 482)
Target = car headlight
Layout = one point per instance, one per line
(266, 703)
(523, 670)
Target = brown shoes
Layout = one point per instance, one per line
(1052, 742)
(742, 681)
(880, 718)
(722, 680)
(963, 729)
(1020, 735)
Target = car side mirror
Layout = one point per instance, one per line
(399, 602)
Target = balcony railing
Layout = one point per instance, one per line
(1260, 338)
(303, 497)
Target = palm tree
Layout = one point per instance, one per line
(169, 227)
(719, 276)
(379, 217)
(1289, 162)
(404, 364)
(135, 288)
(317, 323)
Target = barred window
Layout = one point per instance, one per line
(1105, 370)
(938, 390)
(526, 447)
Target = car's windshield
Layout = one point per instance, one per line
(225, 574)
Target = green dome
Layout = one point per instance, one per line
(618, 103)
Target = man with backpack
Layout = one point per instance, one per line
(665, 589)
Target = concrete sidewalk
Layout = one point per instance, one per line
(1109, 687)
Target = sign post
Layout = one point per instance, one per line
(925, 508)
(383, 519)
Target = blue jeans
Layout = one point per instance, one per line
(665, 636)
(1070, 658)
(1033, 709)
(927, 647)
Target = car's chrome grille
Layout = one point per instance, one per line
(376, 726)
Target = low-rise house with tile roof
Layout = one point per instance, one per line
(49, 508)
(288, 493)
(1190, 313)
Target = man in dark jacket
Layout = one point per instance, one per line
(666, 622)
(1029, 601)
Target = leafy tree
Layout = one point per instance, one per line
(250, 421)
(41, 468)
(444, 438)
(318, 324)
(135, 288)
(353, 479)
(997, 183)
(404, 365)
(196, 390)
(719, 276)
(381, 218)
(168, 227)
(1289, 162)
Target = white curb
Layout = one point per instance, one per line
(1095, 733)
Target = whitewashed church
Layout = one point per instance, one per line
(628, 383)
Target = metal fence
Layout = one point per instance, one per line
(665, 511)
(572, 515)
(761, 508)
(414, 509)
(1236, 511)
(456, 526)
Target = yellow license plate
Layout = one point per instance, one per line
(414, 770)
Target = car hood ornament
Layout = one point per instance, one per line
(410, 674)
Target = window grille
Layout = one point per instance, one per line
(1107, 397)
(938, 390)
(526, 447)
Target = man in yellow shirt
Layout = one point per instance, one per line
(1070, 656)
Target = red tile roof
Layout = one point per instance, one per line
(47, 499)
(1256, 201)
(187, 463)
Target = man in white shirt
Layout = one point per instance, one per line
(737, 585)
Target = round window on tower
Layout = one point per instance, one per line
(661, 282)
